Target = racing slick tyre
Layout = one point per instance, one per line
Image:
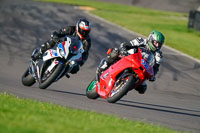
(27, 78)
(121, 89)
(48, 79)
(91, 92)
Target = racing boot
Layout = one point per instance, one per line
(142, 88)
(39, 54)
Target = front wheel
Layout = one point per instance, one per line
(27, 78)
(120, 89)
(91, 92)
(48, 79)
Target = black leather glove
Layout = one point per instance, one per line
(54, 37)
(54, 34)
(43, 48)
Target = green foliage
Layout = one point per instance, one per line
(29, 116)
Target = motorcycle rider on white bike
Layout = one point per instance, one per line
(153, 43)
(81, 31)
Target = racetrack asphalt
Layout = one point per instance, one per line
(172, 101)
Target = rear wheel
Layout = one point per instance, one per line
(91, 92)
(27, 78)
(120, 89)
(48, 78)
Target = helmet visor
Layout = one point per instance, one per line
(85, 33)
(157, 44)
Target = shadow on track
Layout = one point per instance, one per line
(145, 106)
(67, 92)
(159, 108)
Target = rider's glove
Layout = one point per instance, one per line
(54, 34)
(152, 79)
(54, 37)
(43, 48)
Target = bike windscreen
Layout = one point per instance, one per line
(148, 56)
(75, 46)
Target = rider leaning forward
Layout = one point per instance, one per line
(153, 43)
(81, 31)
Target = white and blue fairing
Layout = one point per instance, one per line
(70, 45)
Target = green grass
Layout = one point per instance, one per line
(143, 21)
(29, 116)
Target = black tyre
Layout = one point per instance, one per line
(27, 78)
(121, 89)
(44, 83)
(91, 92)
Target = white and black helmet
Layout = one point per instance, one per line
(83, 28)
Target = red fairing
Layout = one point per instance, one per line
(133, 62)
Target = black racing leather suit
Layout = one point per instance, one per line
(70, 30)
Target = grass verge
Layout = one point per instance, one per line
(143, 21)
(29, 116)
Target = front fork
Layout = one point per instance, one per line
(68, 67)
(34, 70)
(103, 65)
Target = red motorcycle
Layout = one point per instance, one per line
(124, 75)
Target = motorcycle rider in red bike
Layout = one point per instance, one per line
(81, 30)
(153, 43)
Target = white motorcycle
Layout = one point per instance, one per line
(54, 64)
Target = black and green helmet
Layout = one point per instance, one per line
(155, 36)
